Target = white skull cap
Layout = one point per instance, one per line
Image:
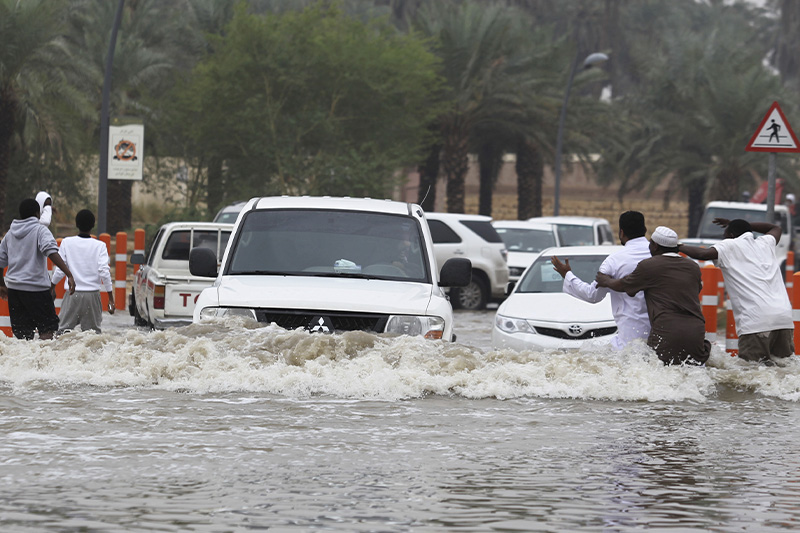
(664, 236)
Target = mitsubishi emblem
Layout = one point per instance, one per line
(322, 325)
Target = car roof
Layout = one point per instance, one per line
(574, 220)
(331, 202)
(235, 207)
(599, 249)
(197, 225)
(522, 224)
(456, 216)
(744, 205)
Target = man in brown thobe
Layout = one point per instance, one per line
(671, 286)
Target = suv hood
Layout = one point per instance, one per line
(324, 293)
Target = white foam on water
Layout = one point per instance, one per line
(235, 356)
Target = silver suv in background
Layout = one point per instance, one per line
(472, 237)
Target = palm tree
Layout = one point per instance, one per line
(476, 43)
(38, 77)
(155, 41)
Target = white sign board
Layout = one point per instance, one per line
(126, 152)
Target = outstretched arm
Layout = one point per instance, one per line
(696, 252)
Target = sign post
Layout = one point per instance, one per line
(773, 135)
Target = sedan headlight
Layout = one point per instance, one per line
(225, 312)
(512, 325)
(515, 271)
(430, 327)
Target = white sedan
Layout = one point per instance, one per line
(537, 315)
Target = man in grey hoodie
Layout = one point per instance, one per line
(26, 285)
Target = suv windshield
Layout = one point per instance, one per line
(526, 240)
(541, 277)
(571, 235)
(709, 230)
(317, 242)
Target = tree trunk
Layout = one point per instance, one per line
(697, 190)
(215, 191)
(428, 175)
(726, 184)
(455, 164)
(530, 174)
(119, 206)
(490, 159)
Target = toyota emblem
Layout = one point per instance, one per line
(575, 330)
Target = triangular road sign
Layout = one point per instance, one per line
(774, 134)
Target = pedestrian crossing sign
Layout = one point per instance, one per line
(774, 134)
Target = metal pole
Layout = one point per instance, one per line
(771, 188)
(560, 137)
(102, 187)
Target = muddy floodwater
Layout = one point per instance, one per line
(230, 427)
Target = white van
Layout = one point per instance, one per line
(331, 265)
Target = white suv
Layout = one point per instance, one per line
(473, 237)
(579, 231)
(330, 265)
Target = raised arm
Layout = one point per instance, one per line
(696, 252)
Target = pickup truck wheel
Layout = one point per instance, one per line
(137, 318)
(472, 297)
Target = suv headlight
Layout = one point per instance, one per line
(513, 325)
(430, 327)
(224, 312)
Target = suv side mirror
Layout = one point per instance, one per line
(456, 272)
(203, 263)
(137, 259)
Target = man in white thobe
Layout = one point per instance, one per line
(630, 312)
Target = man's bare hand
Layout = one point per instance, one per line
(561, 268)
(723, 222)
(71, 282)
(111, 306)
(603, 280)
(4, 293)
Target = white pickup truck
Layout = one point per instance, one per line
(164, 292)
(709, 233)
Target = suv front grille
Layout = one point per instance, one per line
(325, 321)
(590, 334)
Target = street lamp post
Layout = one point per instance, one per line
(591, 59)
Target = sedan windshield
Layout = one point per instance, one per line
(542, 277)
(315, 242)
(526, 240)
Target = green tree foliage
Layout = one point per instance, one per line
(40, 103)
(310, 102)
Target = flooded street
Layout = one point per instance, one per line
(226, 427)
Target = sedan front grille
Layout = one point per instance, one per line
(589, 334)
(324, 321)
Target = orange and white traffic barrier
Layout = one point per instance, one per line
(5, 316)
(790, 273)
(796, 310)
(106, 239)
(138, 246)
(708, 300)
(121, 271)
(731, 339)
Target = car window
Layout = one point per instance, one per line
(441, 232)
(317, 242)
(526, 240)
(153, 247)
(214, 240)
(604, 234)
(542, 277)
(483, 229)
(709, 230)
(177, 247)
(572, 235)
(227, 217)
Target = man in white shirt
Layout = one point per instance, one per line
(630, 312)
(752, 274)
(45, 202)
(87, 258)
